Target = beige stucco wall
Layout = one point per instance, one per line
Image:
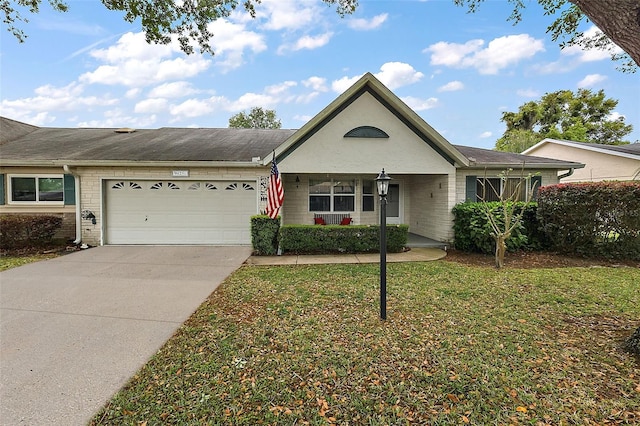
(92, 180)
(598, 166)
(67, 230)
(328, 151)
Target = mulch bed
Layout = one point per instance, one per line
(530, 260)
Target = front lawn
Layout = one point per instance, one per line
(462, 344)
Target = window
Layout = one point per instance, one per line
(490, 189)
(37, 189)
(329, 195)
(368, 199)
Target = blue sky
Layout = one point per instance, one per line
(458, 71)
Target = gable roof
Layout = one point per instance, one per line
(628, 151)
(47, 145)
(370, 84)
(479, 157)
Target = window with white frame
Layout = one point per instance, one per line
(332, 195)
(40, 189)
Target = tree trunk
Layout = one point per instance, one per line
(501, 248)
(618, 19)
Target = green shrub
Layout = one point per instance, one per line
(318, 239)
(599, 219)
(264, 235)
(23, 230)
(472, 231)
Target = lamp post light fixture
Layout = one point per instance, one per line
(382, 182)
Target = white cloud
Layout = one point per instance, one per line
(344, 83)
(398, 74)
(176, 89)
(485, 135)
(451, 86)
(281, 89)
(362, 24)
(615, 116)
(151, 105)
(307, 42)
(51, 98)
(591, 80)
(196, 107)
(249, 100)
(287, 14)
(590, 55)
(528, 93)
(316, 83)
(302, 118)
(500, 53)
(418, 104)
(452, 54)
(132, 93)
(231, 41)
(134, 63)
(118, 118)
(392, 75)
(306, 98)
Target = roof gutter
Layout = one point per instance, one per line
(76, 178)
(564, 175)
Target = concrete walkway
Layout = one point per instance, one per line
(74, 329)
(414, 255)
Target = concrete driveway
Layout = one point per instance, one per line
(74, 329)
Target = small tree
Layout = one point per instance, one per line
(257, 118)
(504, 217)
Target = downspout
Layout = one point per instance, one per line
(76, 178)
(564, 175)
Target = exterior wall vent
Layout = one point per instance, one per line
(366, 132)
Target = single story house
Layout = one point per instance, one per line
(602, 162)
(201, 186)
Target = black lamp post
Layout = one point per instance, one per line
(383, 189)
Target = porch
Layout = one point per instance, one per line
(418, 241)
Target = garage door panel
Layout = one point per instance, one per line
(182, 212)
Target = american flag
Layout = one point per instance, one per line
(275, 191)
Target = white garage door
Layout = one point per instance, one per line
(179, 212)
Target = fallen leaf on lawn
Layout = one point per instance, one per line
(521, 409)
(453, 398)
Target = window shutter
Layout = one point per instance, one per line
(1, 189)
(69, 190)
(536, 183)
(470, 190)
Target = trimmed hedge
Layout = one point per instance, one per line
(600, 219)
(264, 235)
(472, 231)
(22, 230)
(317, 239)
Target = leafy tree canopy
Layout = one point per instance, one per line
(188, 20)
(257, 118)
(584, 116)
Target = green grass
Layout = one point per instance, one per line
(13, 261)
(304, 345)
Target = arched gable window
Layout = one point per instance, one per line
(366, 132)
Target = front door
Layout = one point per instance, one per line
(394, 205)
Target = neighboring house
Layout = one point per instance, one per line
(201, 186)
(602, 162)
